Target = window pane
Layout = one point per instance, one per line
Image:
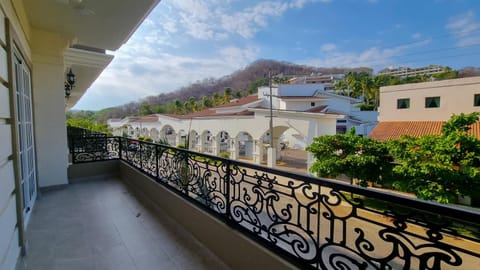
(476, 99)
(403, 103)
(432, 102)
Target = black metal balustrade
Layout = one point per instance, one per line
(315, 223)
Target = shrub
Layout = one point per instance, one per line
(224, 155)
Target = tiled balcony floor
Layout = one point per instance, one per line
(101, 225)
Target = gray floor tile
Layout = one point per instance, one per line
(103, 225)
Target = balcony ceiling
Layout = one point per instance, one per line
(103, 24)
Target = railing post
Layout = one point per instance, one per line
(119, 147)
(227, 191)
(156, 161)
(140, 146)
(72, 150)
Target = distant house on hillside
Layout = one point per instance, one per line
(422, 108)
(407, 71)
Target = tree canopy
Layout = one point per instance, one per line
(357, 157)
(433, 167)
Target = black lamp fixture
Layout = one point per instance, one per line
(69, 83)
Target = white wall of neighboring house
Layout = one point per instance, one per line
(456, 96)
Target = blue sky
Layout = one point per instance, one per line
(184, 41)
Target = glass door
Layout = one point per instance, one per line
(24, 121)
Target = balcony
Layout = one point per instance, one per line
(100, 223)
(249, 216)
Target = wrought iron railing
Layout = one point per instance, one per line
(315, 223)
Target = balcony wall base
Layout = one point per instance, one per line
(92, 170)
(235, 249)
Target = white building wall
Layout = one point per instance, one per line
(50, 130)
(9, 247)
(299, 89)
(456, 96)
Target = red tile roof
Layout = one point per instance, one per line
(209, 113)
(239, 102)
(145, 119)
(385, 131)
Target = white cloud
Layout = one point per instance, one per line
(417, 36)
(131, 77)
(374, 57)
(301, 3)
(328, 47)
(465, 28)
(214, 20)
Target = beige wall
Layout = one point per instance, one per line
(456, 96)
(9, 248)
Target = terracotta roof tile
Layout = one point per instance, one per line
(145, 119)
(239, 102)
(385, 131)
(209, 113)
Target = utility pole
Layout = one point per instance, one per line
(271, 151)
(271, 108)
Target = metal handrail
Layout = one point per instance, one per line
(310, 221)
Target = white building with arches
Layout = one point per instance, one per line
(241, 127)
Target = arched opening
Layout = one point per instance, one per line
(145, 132)
(207, 140)
(245, 145)
(292, 155)
(154, 134)
(224, 142)
(168, 135)
(194, 143)
(182, 138)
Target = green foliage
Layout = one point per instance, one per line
(224, 155)
(145, 108)
(253, 88)
(144, 138)
(357, 157)
(366, 107)
(181, 145)
(87, 123)
(366, 86)
(439, 167)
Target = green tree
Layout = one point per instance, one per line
(207, 102)
(145, 108)
(227, 95)
(357, 157)
(178, 106)
(255, 84)
(439, 167)
(238, 94)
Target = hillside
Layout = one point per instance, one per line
(237, 81)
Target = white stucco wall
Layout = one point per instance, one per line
(456, 96)
(49, 109)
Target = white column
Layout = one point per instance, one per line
(257, 151)
(271, 157)
(216, 145)
(234, 149)
(50, 128)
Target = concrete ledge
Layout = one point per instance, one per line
(92, 170)
(235, 249)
